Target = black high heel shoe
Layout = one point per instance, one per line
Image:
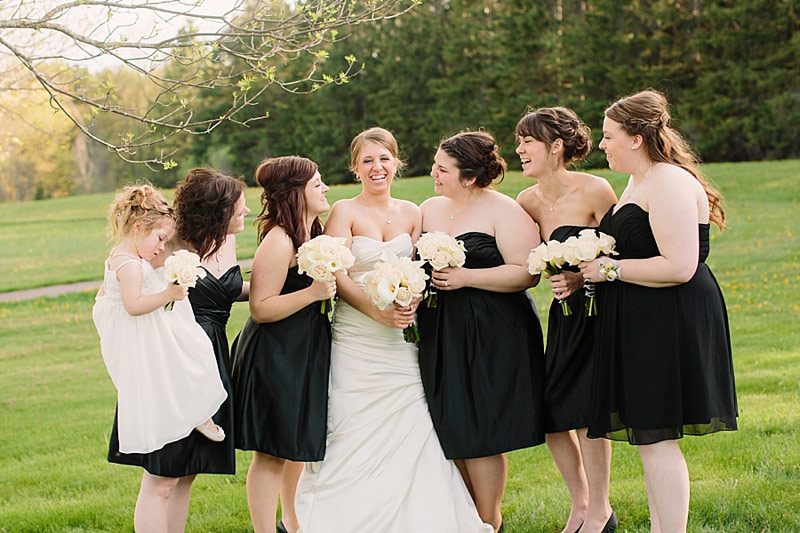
(501, 527)
(280, 528)
(612, 524)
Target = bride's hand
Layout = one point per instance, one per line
(396, 316)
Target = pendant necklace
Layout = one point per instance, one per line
(552, 205)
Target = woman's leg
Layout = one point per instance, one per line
(597, 465)
(263, 486)
(289, 479)
(488, 478)
(178, 510)
(566, 454)
(667, 480)
(152, 505)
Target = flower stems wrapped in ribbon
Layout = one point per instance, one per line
(183, 268)
(440, 250)
(396, 280)
(548, 258)
(320, 257)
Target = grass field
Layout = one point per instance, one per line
(58, 403)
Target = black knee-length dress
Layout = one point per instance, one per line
(481, 359)
(663, 365)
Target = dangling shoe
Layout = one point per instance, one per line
(612, 524)
(211, 431)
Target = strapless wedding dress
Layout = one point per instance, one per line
(384, 469)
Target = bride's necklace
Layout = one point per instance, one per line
(387, 216)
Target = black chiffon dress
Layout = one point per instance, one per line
(482, 364)
(280, 381)
(663, 365)
(211, 299)
(568, 357)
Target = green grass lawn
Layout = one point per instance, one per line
(58, 402)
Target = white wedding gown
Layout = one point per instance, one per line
(384, 470)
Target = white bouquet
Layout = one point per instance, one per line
(183, 268)
(396, 280)
(549, 258)
(440, 250)
(320, 257)
(588, 245)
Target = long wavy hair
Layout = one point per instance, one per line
(205, 202)
(646, 113)
(477, 156)
(283, 200)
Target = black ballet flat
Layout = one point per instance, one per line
(280, 528)
(501, 527)
(579, 528)
(612, 524)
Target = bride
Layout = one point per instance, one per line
(384, 469)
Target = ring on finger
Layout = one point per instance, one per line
(445, 283)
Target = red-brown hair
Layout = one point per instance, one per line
(283, 200)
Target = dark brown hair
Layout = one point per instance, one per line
(646, 113)
(550, 123)
(477, 156)
(283, 201)
(204, 205)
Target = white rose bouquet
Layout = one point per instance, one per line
(549, 258)
(588, 245)
(183, 268)
(440, 250)
(320, 257)
(396, 280)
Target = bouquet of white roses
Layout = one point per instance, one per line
(320, 257)
(588, 245)
(440, 250)
(396, 280)
(549, 257)
(183, 268)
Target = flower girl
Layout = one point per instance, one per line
(160, 361)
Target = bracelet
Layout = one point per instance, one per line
(609, 270)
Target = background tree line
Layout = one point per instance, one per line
(730, 69)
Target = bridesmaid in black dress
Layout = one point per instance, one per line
(481, 356)
(563, 203)
(662, 342)
(281, 358)
(209, 208)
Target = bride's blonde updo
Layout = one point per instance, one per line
(646, 113)
(477, 156)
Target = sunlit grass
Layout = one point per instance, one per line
(58, 402)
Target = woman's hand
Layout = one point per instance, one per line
(396, 316)
(450, 278)
(323, 290)
(565, 284)
(591, 270)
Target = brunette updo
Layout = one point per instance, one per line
(283, 200)
(550, 123)
(204, 206)
(477, 156)
(136, 203)
(646, 113)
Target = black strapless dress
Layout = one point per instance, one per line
(482, 364)
(568, 357)
(211, 301)
(280, 381)
(663, 365)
